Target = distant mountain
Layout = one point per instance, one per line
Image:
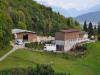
(89, 10)
(61, 11)
(93, 17)
(72, 12)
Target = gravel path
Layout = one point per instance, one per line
(15, 47)
(7, 54)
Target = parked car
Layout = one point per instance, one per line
(19, 42)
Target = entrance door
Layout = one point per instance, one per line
(25, 37)
(60, 48)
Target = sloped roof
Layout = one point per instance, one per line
(14, 31)
(83, 32)
(70, 30)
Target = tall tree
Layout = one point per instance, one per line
(95, 31)
(99, 28)
(90, 29)
(85, 26)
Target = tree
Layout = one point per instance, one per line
(5, 30)
(85, 26)
(39, 70)
(21, 25)
(95, 31)
(27, 14)
(98, 37)
(99, 28)
(90, 29)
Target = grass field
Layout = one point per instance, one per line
(2, 52)
(88, 65)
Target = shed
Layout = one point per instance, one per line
(25, 35)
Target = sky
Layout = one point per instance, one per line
(67, 4)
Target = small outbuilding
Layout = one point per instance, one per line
(25, 35)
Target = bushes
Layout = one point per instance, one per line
(35, 45)
(39, 70)
(98, 37)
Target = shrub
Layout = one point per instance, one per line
(35, 45)
(98, 37)
(39, 70)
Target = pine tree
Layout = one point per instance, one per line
(99, 28)
(95, 31)
(85, 26)
(90, 29)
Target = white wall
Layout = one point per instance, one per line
(50, 47)
(67, 42)
(59, 42)
(45, 38)
(85, 36)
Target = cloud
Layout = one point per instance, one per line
(66, 4)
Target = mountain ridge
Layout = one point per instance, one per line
(92, 16)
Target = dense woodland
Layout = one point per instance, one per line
(27, 14)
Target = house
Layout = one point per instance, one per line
(67, 39)
(25, 35)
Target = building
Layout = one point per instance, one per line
(67, 39)
(84, 35)
(45, 38)
(25, 35)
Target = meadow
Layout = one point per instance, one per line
(86, 65)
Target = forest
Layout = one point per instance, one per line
(27, 14)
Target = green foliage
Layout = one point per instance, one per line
(95, 31)
(3, 52)
(88, 64)
(22, 25)
(85, 26)
(99, 28)
(39, 70)
(98, 37)
(5, 30)
(35, 45)
(27, 14)
(90, 29)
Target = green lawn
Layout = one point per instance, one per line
(88, 65)
(2, 52)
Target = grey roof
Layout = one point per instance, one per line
(83, 32)
(14, 31)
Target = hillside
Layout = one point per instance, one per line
(93, 17)
(27, 14)
(86, 65)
